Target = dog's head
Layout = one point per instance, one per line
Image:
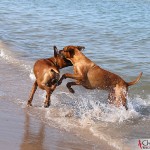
(60, 59)
(69, 51)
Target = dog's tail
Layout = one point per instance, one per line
(136, 80)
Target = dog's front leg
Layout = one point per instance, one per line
(71, 76)
(69, 84)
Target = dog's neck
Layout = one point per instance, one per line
(54, 61)
(59, 64)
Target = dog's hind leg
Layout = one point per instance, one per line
(29, 103)
(48, 95)
(49, 91)
(120, 96)
(111, 96)
(124, 98)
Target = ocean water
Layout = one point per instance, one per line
(116, 36)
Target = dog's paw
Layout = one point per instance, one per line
(46, 105)
(29, 104)
(71, 90)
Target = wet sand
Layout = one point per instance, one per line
(20, 130)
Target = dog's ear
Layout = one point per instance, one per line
(80, 48)
(55, 51)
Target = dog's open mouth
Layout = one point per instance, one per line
(68, 62)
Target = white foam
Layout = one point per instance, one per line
(97, 110)
(10, 59)
(113, 114)
(32, 76)
(7, 57)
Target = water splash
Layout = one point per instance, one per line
(32, 76)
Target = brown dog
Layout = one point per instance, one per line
(46, 72)
(91, 76)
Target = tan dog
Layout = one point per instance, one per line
(46, 72)
(91, 76)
